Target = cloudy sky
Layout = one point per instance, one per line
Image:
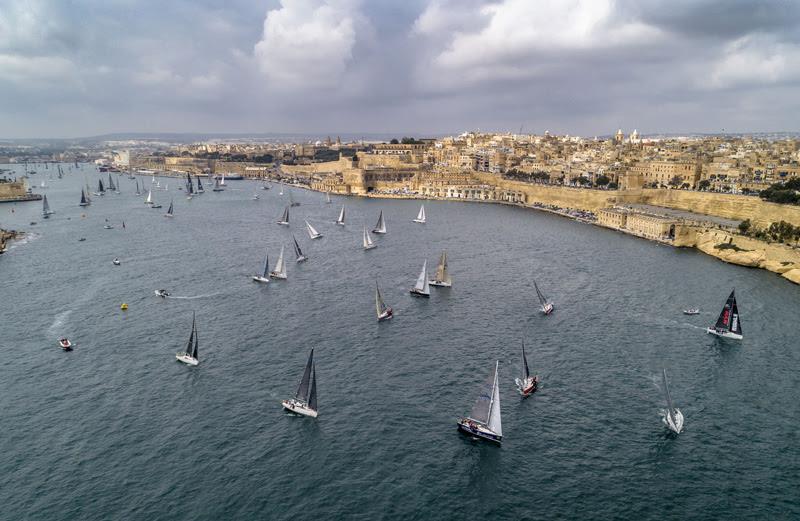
(85, 67)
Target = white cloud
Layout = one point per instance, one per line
(754, 60)
(26, 69)
(505, 37)
(308, 43)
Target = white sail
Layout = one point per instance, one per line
(368, 244)
(381, 226)
(222, 181)
(313, 233)
(280, 266)
(327, 197)
(421, 215)
(422, 281)
(340, 220)
(149, 199)
(495, 422)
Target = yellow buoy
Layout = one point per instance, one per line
(123, 307)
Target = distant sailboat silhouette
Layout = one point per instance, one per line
(421, 215)
(381, 226)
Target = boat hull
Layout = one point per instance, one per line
(380, 232)
(299, 408)
(386, 315)
(473, 429)
(283, 223)
(301, 258)
(420, 221)
(370, 247)
(258, 278)
(723, 334)
(440, 284)
(527, 388)
(417, 293)
(279, 276)
(186, 359)
(317, 236)
(162, 294)
(675, 426)
(548, 308)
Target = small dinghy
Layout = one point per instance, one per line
(264, 277)
(673, 418)
(728, 324)
(284, 220)
(545, 305)
(299, 257)
(305, 399)
(421, 215)
(384, 312)
(312, 232)
(280, 268)
(442, 276)
(527, 385)
(691, 311)
(189, 356)
(108, 227)
(421, 288)
(116, 262)
(162, 293)
(367, 240)
(380, 228)
(484, 421)
(65, 344)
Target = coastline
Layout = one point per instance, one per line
(742, 251)
(6, 236)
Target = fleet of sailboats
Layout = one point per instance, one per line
(484, 421)
(421, 288)
(673, 418)
(442, 276)
(189, 356)
(280, 267)
(729, 324)
(305, 399)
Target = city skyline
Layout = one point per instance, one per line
(426, 67)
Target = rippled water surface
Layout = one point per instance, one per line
(117, 429)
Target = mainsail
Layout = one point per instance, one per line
(189, 185)
(169, 210)
(670, 406)
(83, 202)
(421, 215)
(340, 220)
(311, 231)
(149, 199)
(487, 406)
(542, 298)
(380, 305)
(266, 266)
(422, 281)
(280, 266)
(312, 394)
(381, 226)
(525, 371)
(442, 274)
(367, 240)
(729, 316)
(199, 184)
(111, 183)
(285, 217)
(303, 390)
(191, 346)
(45, 207)
(100, 188)
(138, 192)
(297, 251)
(327, 197)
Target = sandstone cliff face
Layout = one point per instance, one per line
(744, 251)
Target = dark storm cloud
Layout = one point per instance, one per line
(427, 66)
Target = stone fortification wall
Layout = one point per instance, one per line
(579, 198)
(12, 190)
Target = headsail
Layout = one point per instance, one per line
(280, 266)
(367, 240)
(380, 305)
(381, 226)
(340, 220)
(297, 251)
(542, 298)
(670, 406)
(442, 274)
(495, 421)
(312, 394)
(422, 280)
(196, 339)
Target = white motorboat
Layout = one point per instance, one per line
(691, 311)
(116, 262)
(65, 344)
(162, 293)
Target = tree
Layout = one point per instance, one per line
(704, 184)
(583, 181)
(394, 142)
(676, 181)
(613, 186)
(744, 226)
(602, 180)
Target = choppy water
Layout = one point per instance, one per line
(117, 429)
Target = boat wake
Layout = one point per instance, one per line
(193, 297)
(58, 323)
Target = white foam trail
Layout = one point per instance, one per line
(194, 297)
(58, 322)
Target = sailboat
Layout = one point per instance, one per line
(327, 198)
(222, 181)
(528, 384)
(314, 234)
(189, 185)
(169, 210)
(367, 240)
(284, 220)
(217, 186)
(264, 277)
(111, 185)
(200, 189)
(280, 268)
(305, 399)
(381, 226)
(340, 220)
(281, 192)
(384, 312)
(442, 277)
(46, 211)
(83, 202)
(546, 306)
(297, 251)
(100, 189)
(728, 323)
(190, 355)
(421, 288)
(673, 418)
(149, 200)
(138, 192)
(421, 215)
(484, 420)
